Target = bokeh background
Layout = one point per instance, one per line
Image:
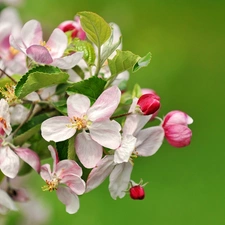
(186, 186)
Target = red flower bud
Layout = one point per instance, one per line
(149, 103)
(137, 192)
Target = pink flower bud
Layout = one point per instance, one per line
(149, 103)
(74, 26)
(137, 192)
(176, 130)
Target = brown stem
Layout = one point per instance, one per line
(14, 81)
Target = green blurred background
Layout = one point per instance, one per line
(186, 39)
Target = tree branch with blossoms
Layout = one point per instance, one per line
(66, 98)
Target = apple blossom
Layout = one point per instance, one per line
(51, 52)
(65, 178)
(94, 119)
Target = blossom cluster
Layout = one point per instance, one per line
(68, 95)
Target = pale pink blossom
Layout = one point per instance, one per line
(12, 60)
(177, 132)
(65, 178)
(50, 52)
(118, 167)
(9, 155)
(82, 117)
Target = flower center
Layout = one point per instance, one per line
(51, 184)
(78, 123)
(13, 51)
(43, 43)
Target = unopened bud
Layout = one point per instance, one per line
(149, 103)
(137, 192)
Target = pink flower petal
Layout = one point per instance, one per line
(55, 157)
(9, 162)
(57, 43)
(88, 151)
(69, 61)
(46, 172)
(31, 33)
(56, 129)
(77, 105)
(100, 172)
(149, 141)
(123, 153)
(178, 135)
(105, 105)
(119, 180)
(75, 183)
(68, 198)
(30, 157)
(68, 167)
(106, 133)
(39, 54)
(177, 117)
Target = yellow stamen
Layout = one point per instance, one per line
(51, 185)
(43, 43)
(79, 123)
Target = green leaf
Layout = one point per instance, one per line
(61, 106)
(136, 91)
(96, 28)
(87, 48)
(92, 88)
(39, 77)
(125, 60)
(122, 61)
(29, 129)
(142, 62)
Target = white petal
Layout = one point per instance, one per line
(46, 172)
(105, 105)
(68, 62)
(9, 162)
(106, 133)
(68, 198)
(57, 43)
(149, 141)
(123, 153)
(119, 180)
(88, 151)
(57, 129)
(134, 123)
(30, 157)
(100, 172)
(75, 183)
(6, 203)
(77, 105)
(31, 33)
